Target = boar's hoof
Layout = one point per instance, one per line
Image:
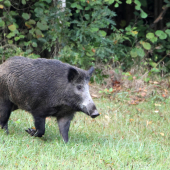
(32, 132)
(95, 114)
(5, 127)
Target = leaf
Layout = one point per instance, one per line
(138, 5)
(154, 39)
(116, 5)
(2, 23)
(87, 16)
(153, 64)
(93, 50)
(1, 6)
(102, 33)
(10, 41)
(150, 35)
(28, 25)
(157, 104)
(74, 5)
(10, 35)
(134, 32)
(163, 95)
(128, 1)
(7, 3)
(38, 11)
(34, 44)
(162, 134)
(111, 1)
(111, 90)
(18, 121)
(38, 33)
(155, 70)
(140, 52)
(31, 21)
(168, 31)
(148, 122)
(23, 2)
(42, 25)
(90, 54)
(143, 14)
(16, 38)
(168, 24)
(25, 16)
(22, 36)
(12, 27)
(146, 45)
(43, 40)
(133, 53)
(161, 34)
(94, 29)
(13, 13)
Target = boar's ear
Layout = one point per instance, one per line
(72, 74)
(90, 71)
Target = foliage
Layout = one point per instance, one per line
(87, 34)
(84, 33)
(31, 26)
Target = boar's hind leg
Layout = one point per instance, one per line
(5, 111)
(39, 127)
(64, 125)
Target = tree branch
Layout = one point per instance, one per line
(160, 17)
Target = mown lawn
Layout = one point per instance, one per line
(123, 137)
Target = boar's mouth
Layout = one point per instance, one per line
(91, 112)
(95, 114)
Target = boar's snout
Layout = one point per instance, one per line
(95, 114)
(90, 110)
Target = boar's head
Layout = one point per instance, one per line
(77, 92)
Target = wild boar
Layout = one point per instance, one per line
(44, 87)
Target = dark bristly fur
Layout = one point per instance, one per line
(44, 88)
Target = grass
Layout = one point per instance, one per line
(123, 137)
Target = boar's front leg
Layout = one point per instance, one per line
(5, 111)
(64, 125)
(39, 127)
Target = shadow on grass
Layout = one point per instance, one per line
(52, 134)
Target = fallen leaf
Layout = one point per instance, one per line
(131, 120)
(166, 91)
(94, 96)
(143, 94)
(157, 104)
(108, 118)
(148, 122)
(162, 134)
(163, 95)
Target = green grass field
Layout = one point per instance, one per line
(123, 137)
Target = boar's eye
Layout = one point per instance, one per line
(79, 87)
